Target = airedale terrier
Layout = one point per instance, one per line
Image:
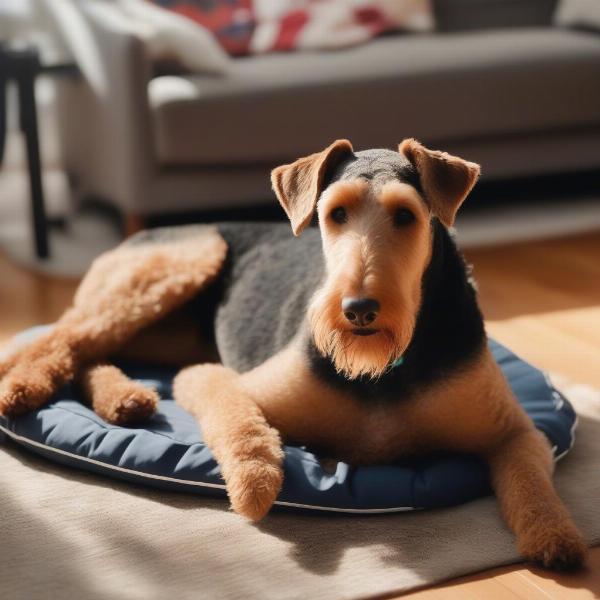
(363, 338)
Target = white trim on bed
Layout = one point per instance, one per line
(26, 441)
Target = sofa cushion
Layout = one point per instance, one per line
(438, 88)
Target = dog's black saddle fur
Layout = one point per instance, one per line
(263, 293)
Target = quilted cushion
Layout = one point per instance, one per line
(168, 452)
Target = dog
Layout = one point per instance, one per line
(361, 339)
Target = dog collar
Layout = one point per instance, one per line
(397, 362)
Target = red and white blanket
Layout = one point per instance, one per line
(258, 26)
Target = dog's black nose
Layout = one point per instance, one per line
(360, 311)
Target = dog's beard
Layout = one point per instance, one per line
(355, 356)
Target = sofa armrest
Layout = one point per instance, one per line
(105, 122)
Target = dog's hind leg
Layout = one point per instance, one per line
(246, 447)
(125, 290)
(115, 397)
(521, 471)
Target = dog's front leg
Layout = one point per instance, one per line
(247, 449)
(521, 471)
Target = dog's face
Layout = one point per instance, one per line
(374, 209)
(377, 243)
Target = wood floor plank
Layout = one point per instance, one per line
(565, 586)
(489, 589)
(28, 298)
(517, 584)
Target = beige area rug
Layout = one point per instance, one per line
(66, 534)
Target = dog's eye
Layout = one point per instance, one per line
(339, 215)
(403, 217)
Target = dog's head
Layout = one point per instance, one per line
(375, 209)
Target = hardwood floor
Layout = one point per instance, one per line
(541, 298)
(28, 298)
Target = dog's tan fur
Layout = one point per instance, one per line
(245, 416)
(356, 256)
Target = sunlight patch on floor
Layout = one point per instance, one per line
(565, 341)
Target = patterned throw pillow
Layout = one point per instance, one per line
(231, 21)
(173, 39)
(256, 26)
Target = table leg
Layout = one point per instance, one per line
(3, 110)
(29, 126)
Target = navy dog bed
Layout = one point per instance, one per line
(168, 452)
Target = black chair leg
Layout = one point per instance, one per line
(3, 110)
(29, 126)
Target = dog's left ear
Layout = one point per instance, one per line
(446, 179)
(299, 184)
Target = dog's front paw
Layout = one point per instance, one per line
(253, 486)
(554, 547)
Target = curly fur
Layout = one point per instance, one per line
(124, 292)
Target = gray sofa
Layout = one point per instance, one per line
(498, 84)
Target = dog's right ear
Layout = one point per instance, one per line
(299, 184)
